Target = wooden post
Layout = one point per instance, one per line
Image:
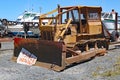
(116, 21)
(59, 16)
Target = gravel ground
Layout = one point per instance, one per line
(100, 68)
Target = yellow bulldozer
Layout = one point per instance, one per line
(73, 34)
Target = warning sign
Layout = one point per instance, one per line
(25, 57)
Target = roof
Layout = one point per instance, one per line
(94, 7)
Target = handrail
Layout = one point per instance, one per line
(65, 11)
(51, 12)
(66, 26)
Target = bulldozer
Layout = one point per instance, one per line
(73, 34)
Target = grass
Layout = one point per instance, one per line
(109, 73)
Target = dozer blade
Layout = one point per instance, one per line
(49, 54)
(53, 55)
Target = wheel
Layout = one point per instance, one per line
(114, 36)
(81, 47)
(35, 25)
(4, 21)
(104, 44)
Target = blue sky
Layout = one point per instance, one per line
(11, 9)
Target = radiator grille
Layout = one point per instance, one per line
(47, 35)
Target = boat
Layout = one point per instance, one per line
(111, 23)
(18, 30)
(30, 17)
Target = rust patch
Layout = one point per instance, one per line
(45, 51)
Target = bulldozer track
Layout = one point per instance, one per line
(112, 43)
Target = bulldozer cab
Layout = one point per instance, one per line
(73, 20)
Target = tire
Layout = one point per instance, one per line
(4, 21)
(114, 36)
(36, 25)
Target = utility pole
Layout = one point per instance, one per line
(40, 8)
